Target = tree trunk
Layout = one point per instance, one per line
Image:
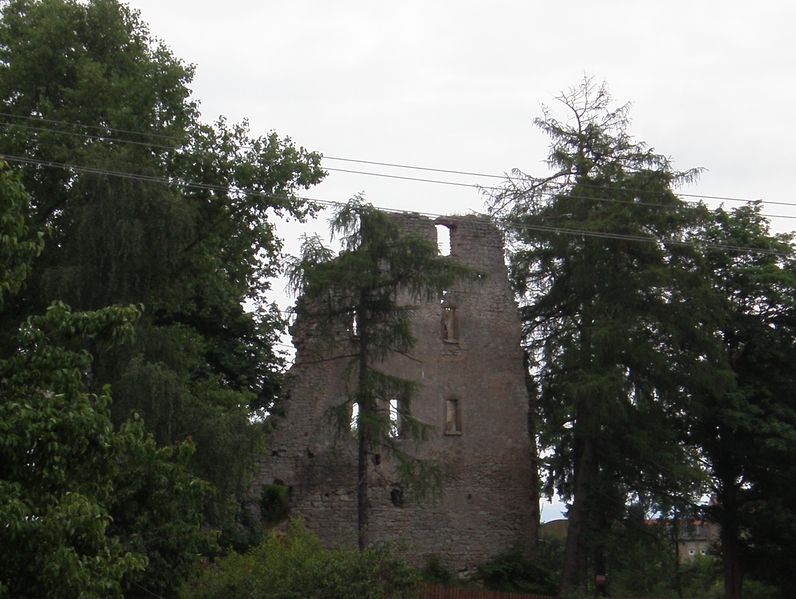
(730, 557)
(533, 533)
(362, 490)
(363, 433)
(585, 470)
(573, 572)
(730, 542)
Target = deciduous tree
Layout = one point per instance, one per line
(86, 510)
(144, 203)
(747, 434)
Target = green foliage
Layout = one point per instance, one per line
(663, 359)
(513, 572)
(435, 571)
(187, 229)
(275, 503)
(748, 434)
(609, 316)
(701, 577)
(87, 511)
(157, 509)
(296, 566)
(16, 250)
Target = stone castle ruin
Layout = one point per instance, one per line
(469, 364)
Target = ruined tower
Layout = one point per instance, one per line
(469, 363)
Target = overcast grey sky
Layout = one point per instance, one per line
(456, 84)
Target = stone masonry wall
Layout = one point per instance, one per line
(484, 507)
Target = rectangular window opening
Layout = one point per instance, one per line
(353, 326)
(444, 240)
(354, 423)
(453, 418)
(450, 325)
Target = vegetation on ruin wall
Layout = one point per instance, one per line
(661, 336)
(357, 299)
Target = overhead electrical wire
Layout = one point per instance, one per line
(551, 193)
(85, 126)
(543, 193)
(515, 223)
(548, 193)
(174, 146)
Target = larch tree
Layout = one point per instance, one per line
(370, 285)
(602, 262)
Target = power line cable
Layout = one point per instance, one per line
(523, 178)
(531, 179)
(89, 136)
(517, 224)
(553, 193)
(173, 140)
(405, 178)
(425, 168)
(548, 193)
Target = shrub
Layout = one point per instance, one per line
(296, 566)
(275, 503)
(513, 572)
(436, 572)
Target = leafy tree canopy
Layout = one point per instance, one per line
(87, 510)
(142, 202)
(748, 434)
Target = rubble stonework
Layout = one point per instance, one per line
(484, 507)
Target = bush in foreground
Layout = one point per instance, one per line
(296, 565)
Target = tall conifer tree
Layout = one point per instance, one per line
(600, 263)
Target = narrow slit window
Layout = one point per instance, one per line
(354, 423)
(453, 417)
(444, 240)
(395, 418)
(354, 325)
(450, 325)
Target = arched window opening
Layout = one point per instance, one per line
(444, 240)
(453, 417)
